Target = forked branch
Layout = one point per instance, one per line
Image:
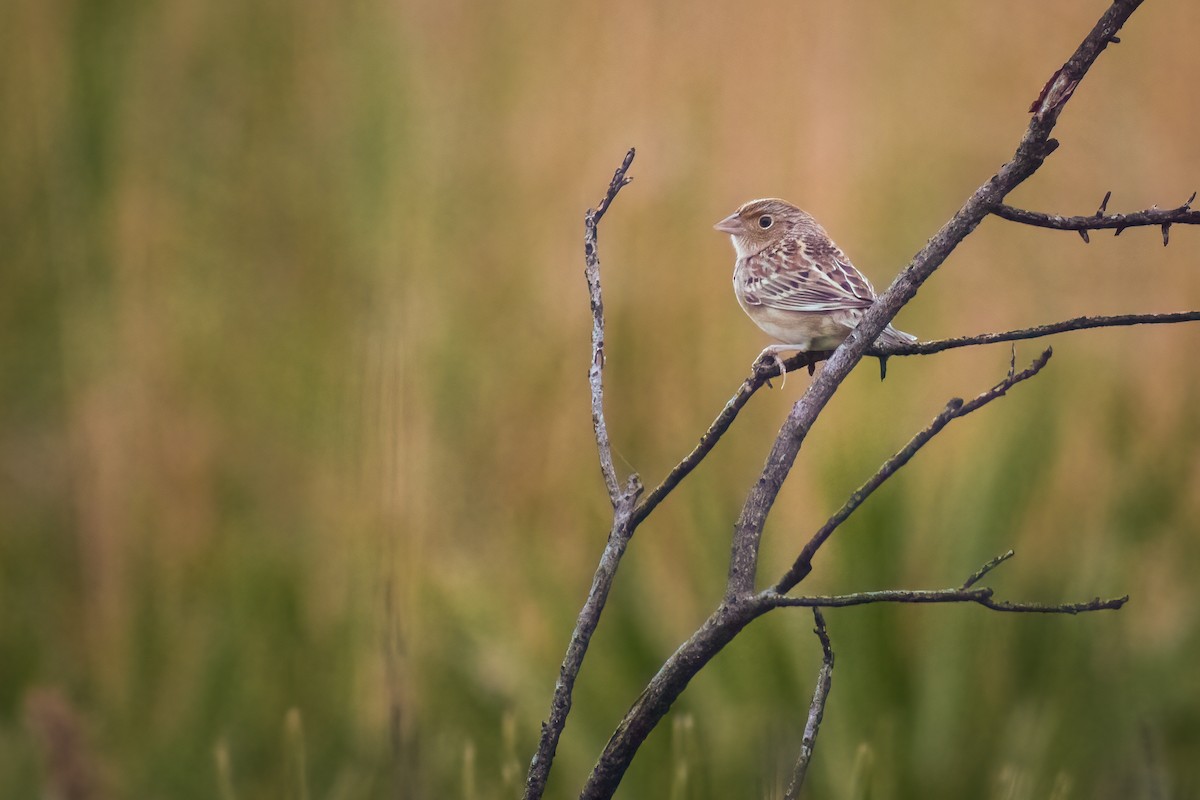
(624, 501)
(963, 594)
(954, 409)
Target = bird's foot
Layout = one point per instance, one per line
(769, 357)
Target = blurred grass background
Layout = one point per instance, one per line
(297, 485)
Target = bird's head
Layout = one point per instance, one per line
(759, 224)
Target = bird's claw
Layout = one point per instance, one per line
(768, 359)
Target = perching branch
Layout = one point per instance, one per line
(715, 431)
(1163, 218)
(816, 710)
(954, 409)
(768, 369)
(1038, 331)
(623, 502)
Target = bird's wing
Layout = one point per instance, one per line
(804, 274)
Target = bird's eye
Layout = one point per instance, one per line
(765, 221)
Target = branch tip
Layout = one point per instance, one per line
(986, 568)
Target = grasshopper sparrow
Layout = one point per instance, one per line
(794, 282)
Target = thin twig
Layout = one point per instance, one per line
(623, 502)
(1151, 217)
(596, 370)
(715, 431)
(816, 709)
(1039, 331)
(954, 409)
(978, 575)
(981, 596)
(984, 596)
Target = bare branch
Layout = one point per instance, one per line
(981, 596)
(1039, 331)
(623, 502)
(596, 370)
(954, 409)
(715, 431)
(882, 596)
(816, 710)
(663, 689)
(1096, 604)
(581, 637)
(964, 594)
(1151, 217)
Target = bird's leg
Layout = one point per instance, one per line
(771, 354)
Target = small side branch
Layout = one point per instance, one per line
(596, 370)
(982, 596)
(1162, 218)
(954, 409)
(1037, 332)
(979, 574)
(967, 593)
(816, 710)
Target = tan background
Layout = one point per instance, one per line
(293, 410)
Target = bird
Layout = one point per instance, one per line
(795, 283)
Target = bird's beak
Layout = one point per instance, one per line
(731, 225)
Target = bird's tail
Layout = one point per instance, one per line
(891, 336)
